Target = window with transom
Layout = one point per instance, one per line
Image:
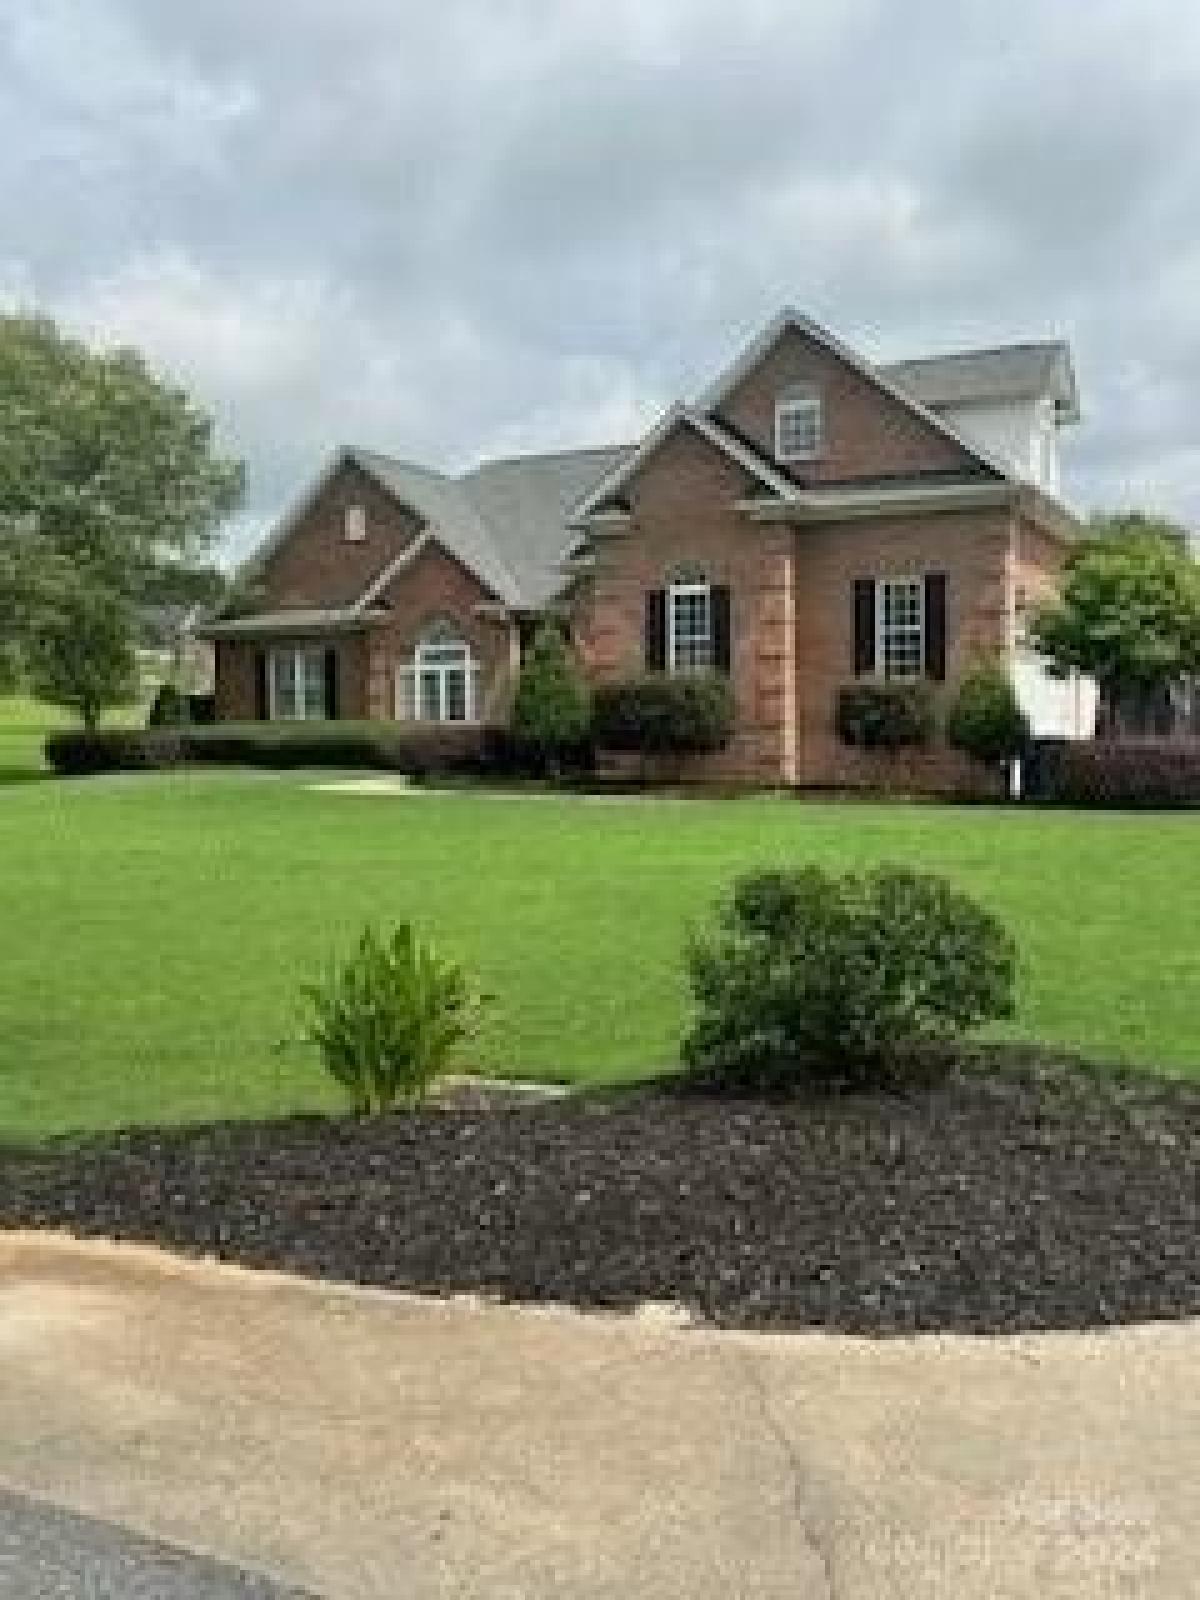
(442, 682)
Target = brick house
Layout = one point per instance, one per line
(811, 519)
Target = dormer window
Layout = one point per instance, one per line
(354, 525)
(798, 424)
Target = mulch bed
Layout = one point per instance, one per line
(1002, 1199)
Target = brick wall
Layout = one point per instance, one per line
(317, 566)
(971, 549)
(235, 682)
(866, 433)
(436, 587)
(793, 617)
(681, 507)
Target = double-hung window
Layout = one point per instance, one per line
(442, 684)
(798, 424)
(297, 685)
(689, 627)
(900, 619)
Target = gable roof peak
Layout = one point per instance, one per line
(789, 319)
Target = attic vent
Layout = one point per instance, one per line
(354, 524)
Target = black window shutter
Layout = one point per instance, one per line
(262, 703)
(722, 628)
(935, 626)
(332, 708)
(656, 630)
(864, 626)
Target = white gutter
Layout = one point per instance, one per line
(843, 505)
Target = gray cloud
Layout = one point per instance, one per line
(498, 224)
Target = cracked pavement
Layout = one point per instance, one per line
(358, 1445)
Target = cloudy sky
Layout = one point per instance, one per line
(450, 228)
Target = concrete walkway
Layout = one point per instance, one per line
(365, 1446)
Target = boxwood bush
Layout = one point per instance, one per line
(815, 978)
(884, 716)
(1133, 773)
(662, 714)
(985, 719)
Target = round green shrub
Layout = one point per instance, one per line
(811, 977)
(885, 716)
(661, 714)
(985, 720)
(552, 712)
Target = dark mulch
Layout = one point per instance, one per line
(1000, 1199)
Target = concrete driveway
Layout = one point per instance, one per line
(365, 1446)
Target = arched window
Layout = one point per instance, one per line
(442, 683)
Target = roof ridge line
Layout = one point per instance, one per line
(518, 456)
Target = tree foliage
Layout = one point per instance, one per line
(985, 719)
(1129, 610)
(81, 656)
(108, 474)
(552, 711)
(812, 977)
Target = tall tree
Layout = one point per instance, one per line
(81, 656)
(108, 474)
(1129, 611)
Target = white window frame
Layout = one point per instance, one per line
(354, 524)
(808, 401)
(681, 591)
(882, 585)
(424, 663)
(298, 655)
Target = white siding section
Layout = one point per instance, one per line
(1023, 433)
(1057, 708)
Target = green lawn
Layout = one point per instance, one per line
(156, 930)
(24, 724)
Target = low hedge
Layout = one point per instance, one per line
(389, 747)
(658, 714)
(1133, 773)
(78, 753)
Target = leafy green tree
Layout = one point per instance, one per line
(985, 719)
(10, 669)
(1129, 611)
(552, 711)
(1135, 525)
(108, 475)
(81, 656)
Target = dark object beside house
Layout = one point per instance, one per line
(1150, 773)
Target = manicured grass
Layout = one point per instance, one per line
(156, 930)
(24, 724)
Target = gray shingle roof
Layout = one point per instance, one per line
(452, 517)
(504, 520)
(525, 502)
(1008, 372)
